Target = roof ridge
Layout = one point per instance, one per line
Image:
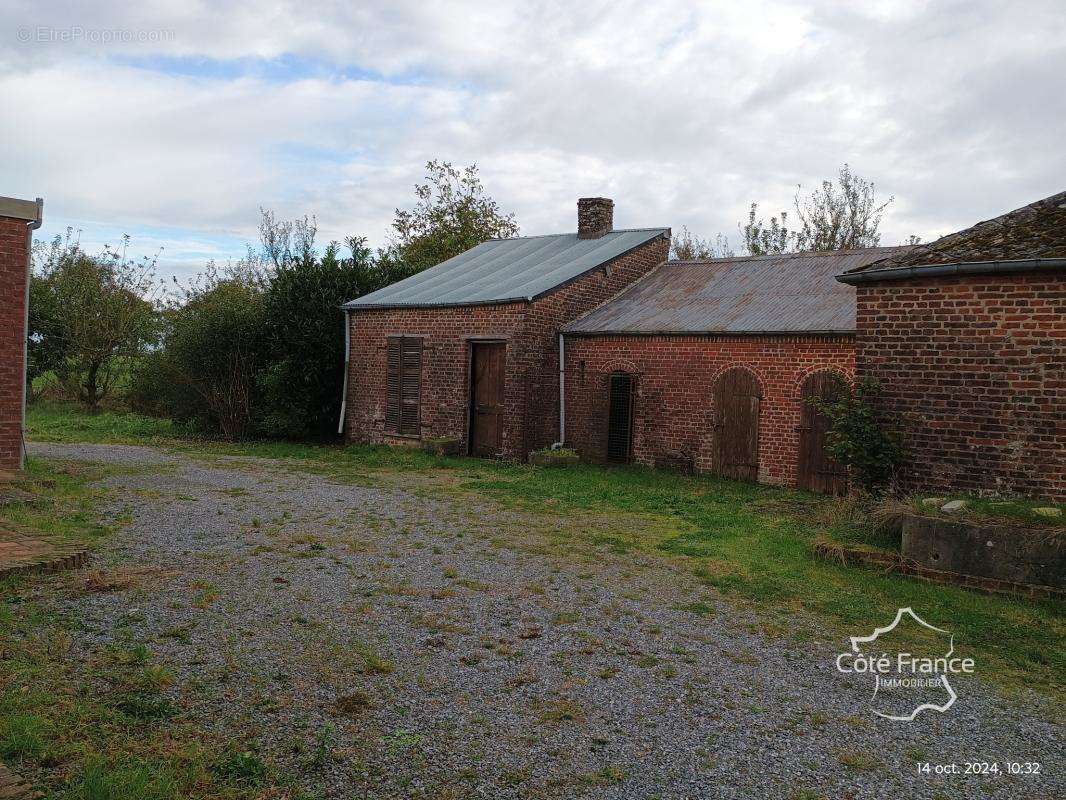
(574, 233)
(800, 254)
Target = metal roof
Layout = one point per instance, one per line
(507, 270)
(787, 293)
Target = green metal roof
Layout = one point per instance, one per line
(508, 270)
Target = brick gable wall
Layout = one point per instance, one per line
(13, 244)
(531, 399)
(673, 410)
(975, 367)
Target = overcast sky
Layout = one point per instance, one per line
(174, 122)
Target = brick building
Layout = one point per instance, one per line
(703, 365)
(18, 219)
(469, 348)
(968, 338)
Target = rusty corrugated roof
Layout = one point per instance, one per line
(787, 293)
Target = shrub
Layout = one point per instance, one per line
(304, 334)
(212, 353)
(858, 438)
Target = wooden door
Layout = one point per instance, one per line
(620, 418)
(486, 399)
(736, 428)
(815, 470)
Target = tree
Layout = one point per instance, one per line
(44, 347)
(762, 238)
(452, 213)
(94, 316)
(687, 246)
(841, 216)
(304, 324)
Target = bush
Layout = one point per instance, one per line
(858, 437)
(304, 333)
(212, 353)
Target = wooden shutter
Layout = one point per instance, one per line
(410, 387)
(620, 418)
(403, 386)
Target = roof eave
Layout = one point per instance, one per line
(356, 306)
(624, 332)
(947, 270)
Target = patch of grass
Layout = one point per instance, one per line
(699, 608)
(23, 736)
(563, 710)
(609, 775)
(50, 421)
(858, 761)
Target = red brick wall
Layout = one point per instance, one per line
(13, 243)
(975, 367)
(673, 406)
(531, 330)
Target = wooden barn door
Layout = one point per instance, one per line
(620, 418)
(816, 471)
(736, 429)
(486, 399)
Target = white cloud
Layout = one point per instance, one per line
(683, 113)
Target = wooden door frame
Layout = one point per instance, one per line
(471, 343)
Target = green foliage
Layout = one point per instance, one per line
(841, 216)
(304, 325)
(857, 436)
(45, 348)
(90, 316)
(687, 246)
(451, 215)
(241, 767)
(767, 238)
(212, 352)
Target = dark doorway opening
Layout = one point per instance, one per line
(620, 419)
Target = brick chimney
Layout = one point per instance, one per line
(595, 217)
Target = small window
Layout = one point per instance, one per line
(403, 386)
(620, 418)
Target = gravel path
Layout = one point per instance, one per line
(379, 642)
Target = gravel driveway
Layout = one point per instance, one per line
(380, 641)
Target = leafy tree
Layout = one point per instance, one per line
(768, 238)
(45, 350)
(842, 217)
(304, 324)
(452, 213)
(687, 246)
(858, 437)
(93, 316)
(838, 216)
